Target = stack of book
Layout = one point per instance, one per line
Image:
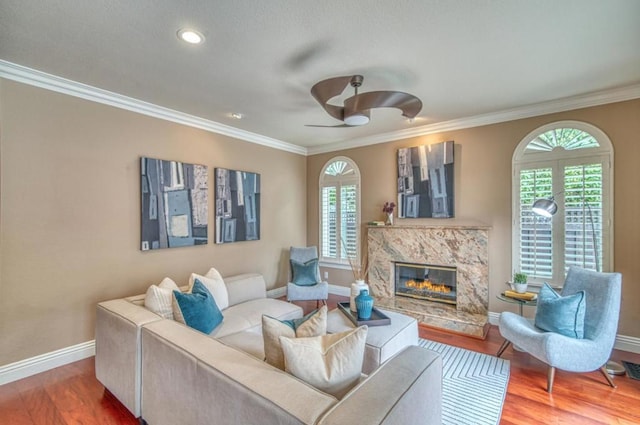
(526, 296)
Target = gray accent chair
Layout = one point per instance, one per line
(319, 291)
(602, 310)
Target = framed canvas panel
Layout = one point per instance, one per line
(237, 206)
(425, 181)
(174, 204)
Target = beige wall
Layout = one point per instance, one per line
(70, 213)
(483, 190)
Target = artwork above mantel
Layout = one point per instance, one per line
(425, 181)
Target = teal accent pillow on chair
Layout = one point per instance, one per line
(198, 309)
(563, 315)
(304, 274)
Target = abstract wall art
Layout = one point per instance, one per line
(237, 206)
(425, 181)
(174, 204)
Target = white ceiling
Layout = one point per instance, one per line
(461, 58)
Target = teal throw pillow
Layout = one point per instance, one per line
(198, 309)
(563, 315)
(304, 274)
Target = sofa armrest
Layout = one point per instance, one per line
(245, 287)
(118, 363)
(405, 390)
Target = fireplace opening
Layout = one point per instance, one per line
(426, 282)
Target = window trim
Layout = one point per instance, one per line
(557, 160)
(324, 182)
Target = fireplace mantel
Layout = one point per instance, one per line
(462, 246)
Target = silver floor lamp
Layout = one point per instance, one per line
(547, 207)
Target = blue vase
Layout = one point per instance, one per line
(364, 305)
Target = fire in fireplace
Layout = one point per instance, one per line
(426, 282)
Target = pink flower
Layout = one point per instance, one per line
(388, 207)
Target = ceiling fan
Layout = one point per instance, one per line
(357, 108)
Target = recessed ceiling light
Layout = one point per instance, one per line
(190, 36)
(237, 115)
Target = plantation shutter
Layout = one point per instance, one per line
(329, 223)
(583, 199)
(339, 215)
(536, 241)
(348, 215)
(572, 163)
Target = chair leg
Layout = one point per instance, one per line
(551, 374)
(503, 347)
(603, 369)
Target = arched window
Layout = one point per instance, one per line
(339, 210)
(570, 163)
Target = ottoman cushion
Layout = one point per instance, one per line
(383, 342)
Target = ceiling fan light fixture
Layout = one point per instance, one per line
(356, 109)
(356, 119)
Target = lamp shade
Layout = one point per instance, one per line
(545, 207)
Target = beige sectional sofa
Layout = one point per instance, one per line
(168, 373)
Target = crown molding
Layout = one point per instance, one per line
(22, 74)
(51, 82)
(560, 105)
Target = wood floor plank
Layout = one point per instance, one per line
(12, 410)
(41, 408)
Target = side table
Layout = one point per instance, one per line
(520, 303)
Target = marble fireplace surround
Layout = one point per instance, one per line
(463, 247)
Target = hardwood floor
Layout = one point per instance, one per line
(72, 395)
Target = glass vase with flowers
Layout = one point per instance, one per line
(388, 208)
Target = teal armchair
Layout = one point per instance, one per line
(602, 310)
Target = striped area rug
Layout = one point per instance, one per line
(474, 385)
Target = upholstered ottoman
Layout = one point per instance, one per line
(382, 341)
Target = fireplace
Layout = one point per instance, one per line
(426, 282)
(464, 247)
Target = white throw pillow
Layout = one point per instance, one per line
(215, 284)
(331, 363)
(313, 324)
(159, 298)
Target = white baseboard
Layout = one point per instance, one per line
(623, 342)
(42, 363)
(627, 343)
(339, 290)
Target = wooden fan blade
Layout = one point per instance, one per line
(324, 90)
(407, 103)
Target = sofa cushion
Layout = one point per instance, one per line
(249, 341)
(197, 309)
(331, 363)
(304, 274)
(313, 324)
(563, 315)
(215, 284)
(159, 298)
(253, 310)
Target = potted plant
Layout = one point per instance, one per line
(520, 282)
